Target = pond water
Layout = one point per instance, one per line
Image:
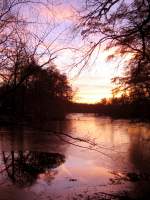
(83, 157)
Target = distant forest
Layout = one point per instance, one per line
(121, 107)
(34, 94)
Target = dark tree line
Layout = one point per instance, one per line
(34, 92)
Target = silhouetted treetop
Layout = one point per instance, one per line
(124, 25)
(31, 89)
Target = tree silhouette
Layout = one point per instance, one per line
(36, 92)
(30, 85)
(124, 25)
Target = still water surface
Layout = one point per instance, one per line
(55, 162)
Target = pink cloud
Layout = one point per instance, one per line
(59, 13)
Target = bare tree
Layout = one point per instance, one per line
(124, 25)
(24, 53)
(18, 44)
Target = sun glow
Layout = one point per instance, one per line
(95, 83)
(89, 98)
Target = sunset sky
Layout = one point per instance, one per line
(94, 81)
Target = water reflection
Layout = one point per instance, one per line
(23, 168)
(127, 145)
(139, 151)
(26, 138)
(139, 154)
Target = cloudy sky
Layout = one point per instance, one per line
(93, 82)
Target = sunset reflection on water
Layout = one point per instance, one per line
(122, 147)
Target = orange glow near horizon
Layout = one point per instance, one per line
(88, 100)
(94, 83)
(91, 97)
